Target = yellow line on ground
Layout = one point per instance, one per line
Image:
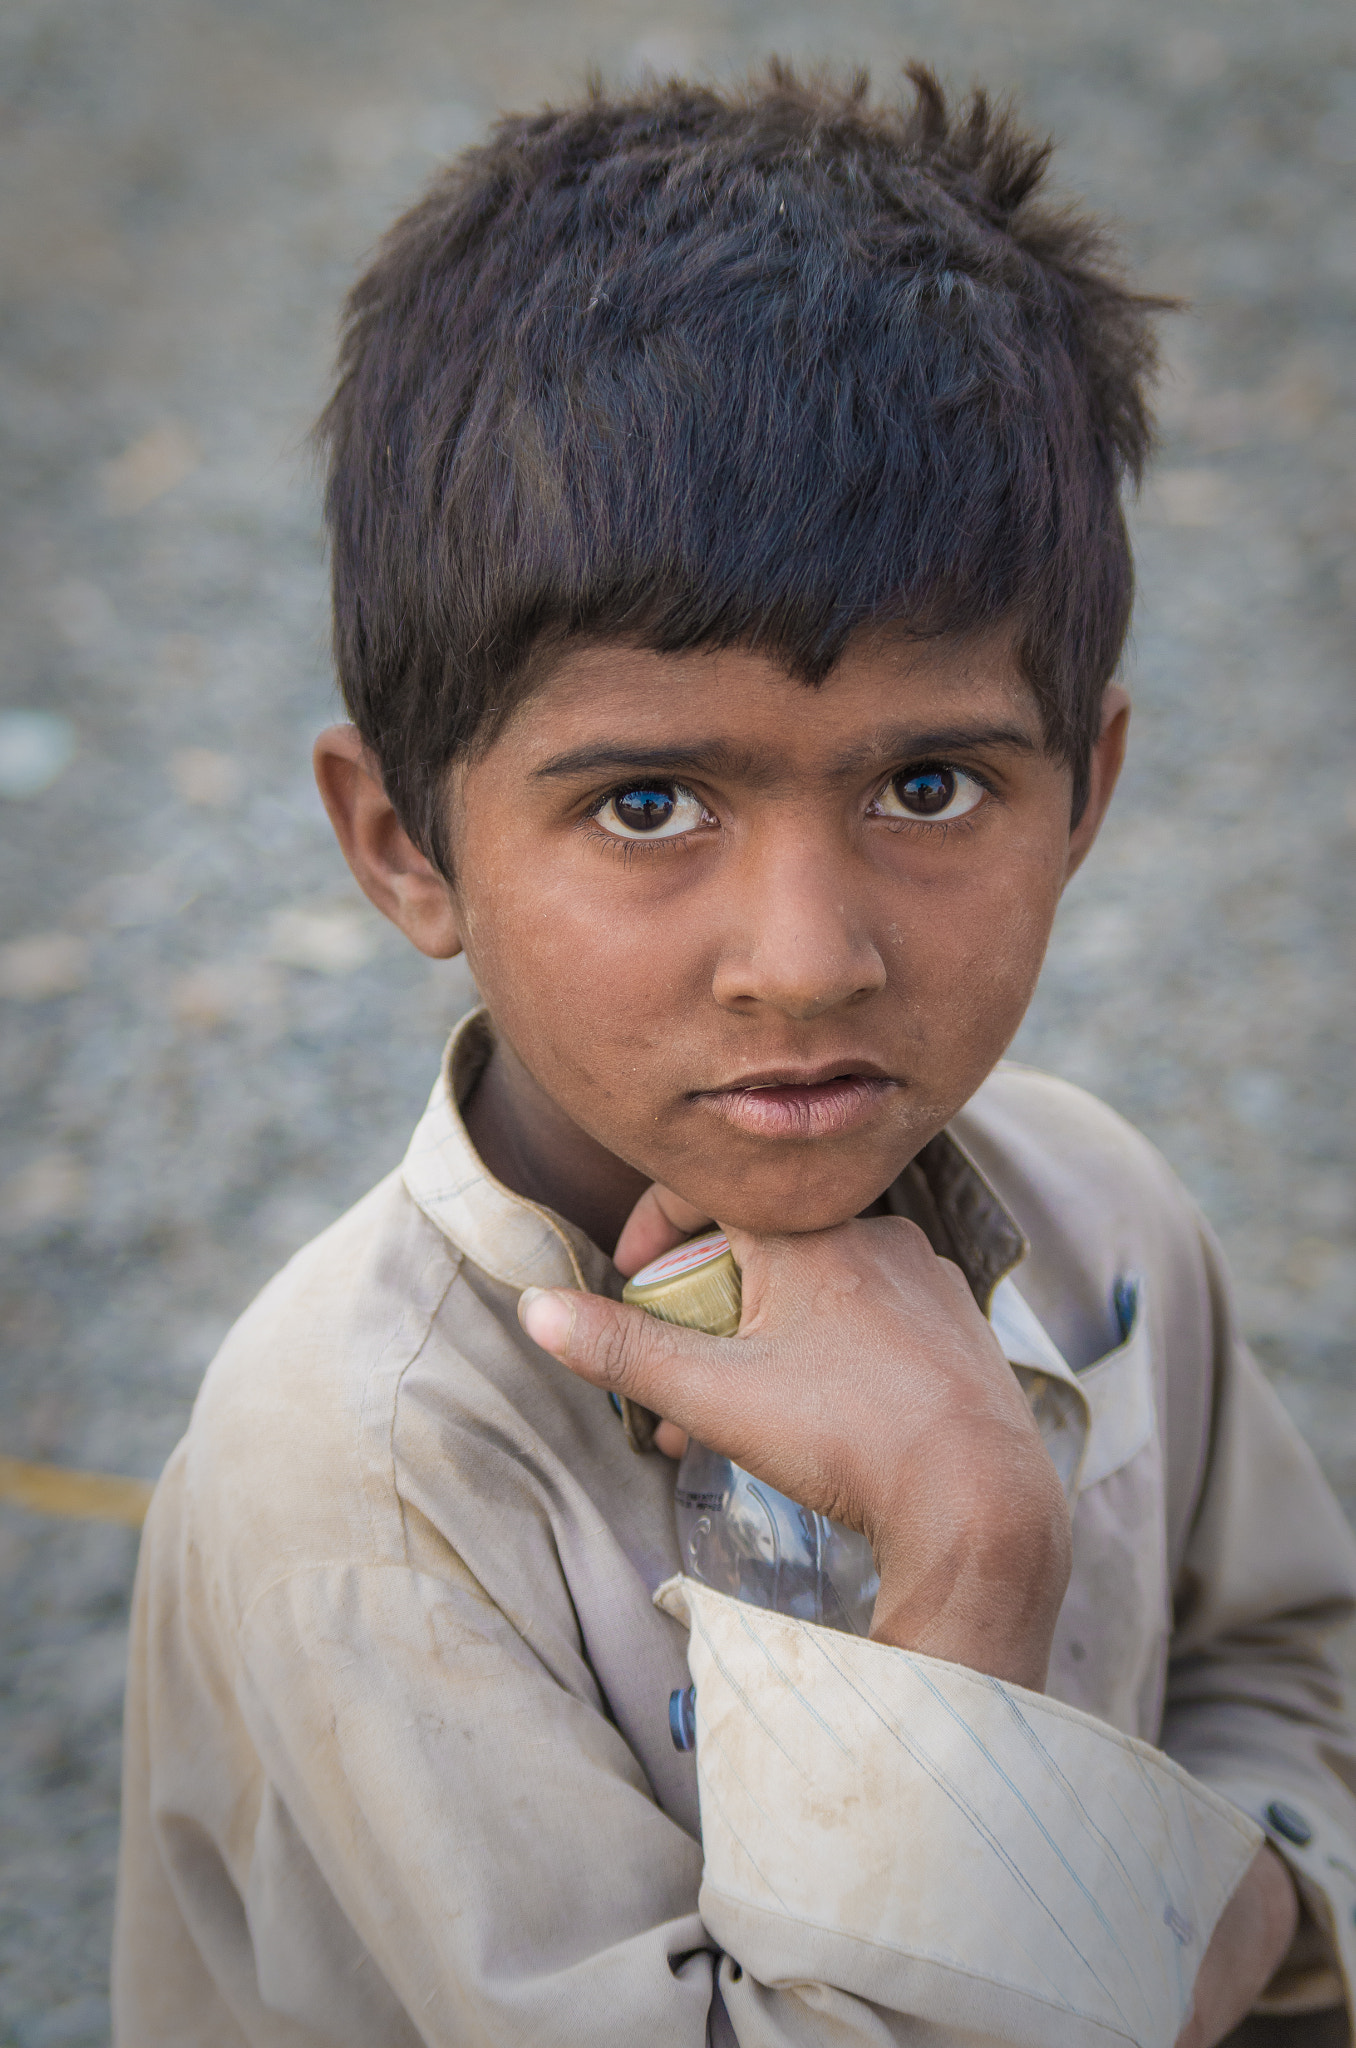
(88, 1496)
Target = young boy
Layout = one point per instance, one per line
(729, 575)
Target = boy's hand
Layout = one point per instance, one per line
(865, 1384)
(1258, 1924)
(660, 1221)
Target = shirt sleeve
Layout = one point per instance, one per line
(1255, 1704)
(450, 1846)
(934, 1843)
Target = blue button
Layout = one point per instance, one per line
(1283, 1820)
(683, 1717)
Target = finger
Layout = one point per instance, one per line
(671, 1440)
(671, 1370)
(659, 1221)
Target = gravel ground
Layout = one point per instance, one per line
(211, 1045)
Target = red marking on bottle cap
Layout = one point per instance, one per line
(684, 1258)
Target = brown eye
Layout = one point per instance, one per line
(643, 810)
(928, 792)
(936, 793)
(652, 810)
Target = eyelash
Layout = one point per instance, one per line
(935, 830)
(614, 843)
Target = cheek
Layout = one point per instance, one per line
(1009, 971)
(971, 959)
(584, 992)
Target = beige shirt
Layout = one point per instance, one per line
(409, 1613)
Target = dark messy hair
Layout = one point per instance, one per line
(695, 369)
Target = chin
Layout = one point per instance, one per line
(798, 1214)
(791, 1200)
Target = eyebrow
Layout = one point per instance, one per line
(909, 742)
(718, 757)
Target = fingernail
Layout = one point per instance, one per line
(547, 1318)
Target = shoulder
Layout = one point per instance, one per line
(288, 1458)
(1096, 1201)
(1055, 1136)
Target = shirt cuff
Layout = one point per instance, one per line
(944, 1844)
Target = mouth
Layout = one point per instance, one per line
(821, 1103)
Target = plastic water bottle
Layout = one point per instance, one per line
(736, 1533)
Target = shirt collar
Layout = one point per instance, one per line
(523, 1244)
(508, 1237)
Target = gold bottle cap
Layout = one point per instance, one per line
(696, 1284)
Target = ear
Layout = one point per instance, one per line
(1104, 769)
(388, 866)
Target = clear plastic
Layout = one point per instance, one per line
(740, 1536)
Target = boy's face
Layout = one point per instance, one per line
(756, 940)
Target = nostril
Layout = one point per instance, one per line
(801, 980)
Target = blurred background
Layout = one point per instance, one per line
(210, 1045)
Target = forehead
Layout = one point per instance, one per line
(746, 707)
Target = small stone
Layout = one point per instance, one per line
(50, 1189)
(337, 940)
(47, 964)
(201, 776)
(1189, 497)
(218, 993)
(203, 999)
(150, 467)
(35, 748)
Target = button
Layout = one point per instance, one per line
(1290, 1825)
(1125, 1301)
(1178, 1926)
(683, 1717)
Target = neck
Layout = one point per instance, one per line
(529, 1144)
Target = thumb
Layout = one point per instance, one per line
(664, 1367)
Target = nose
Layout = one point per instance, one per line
(797, 943)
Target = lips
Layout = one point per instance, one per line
(822, 1104)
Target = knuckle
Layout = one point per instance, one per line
(952, 1278)
(619, 1349)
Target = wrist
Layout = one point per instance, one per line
(974, 1571)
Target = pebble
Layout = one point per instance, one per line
(36, 747)
(201, 776)
(153, 465)
(330, 940)
(48, 964)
